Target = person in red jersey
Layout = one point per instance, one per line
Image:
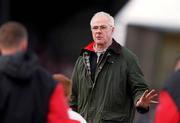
(168, 110)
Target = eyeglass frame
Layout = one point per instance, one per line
(101, 27)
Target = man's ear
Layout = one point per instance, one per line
(113, 28)
(177, 66)
(24, 45)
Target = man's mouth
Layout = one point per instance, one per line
(98, 37)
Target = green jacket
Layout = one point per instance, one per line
(118, 85)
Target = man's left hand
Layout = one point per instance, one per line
(146, 99)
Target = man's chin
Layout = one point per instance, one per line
(99, 42)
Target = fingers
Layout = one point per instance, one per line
(155, 102)
(145, 93)
(152, 96)
(152, 93)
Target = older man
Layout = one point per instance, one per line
(107, 80)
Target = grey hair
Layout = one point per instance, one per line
(111, 19)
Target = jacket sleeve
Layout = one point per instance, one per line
(166, 111)
(137, 84)
(74, 97)
(58, 107)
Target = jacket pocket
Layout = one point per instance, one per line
(113, 117)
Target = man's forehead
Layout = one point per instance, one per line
(100, 24)
(100, 21)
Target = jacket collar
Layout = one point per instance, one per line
(89, 47)
(114, 47)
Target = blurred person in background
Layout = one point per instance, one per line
(168, 110)
(67, 85)
(108, 84)
(28, 93)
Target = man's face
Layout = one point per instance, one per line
(102, 31)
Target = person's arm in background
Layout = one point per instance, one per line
(166, 111)
(58, 106)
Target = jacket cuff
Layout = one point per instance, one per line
(142, 110)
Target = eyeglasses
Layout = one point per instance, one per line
(102, 27)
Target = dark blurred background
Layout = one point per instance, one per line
(57, 29)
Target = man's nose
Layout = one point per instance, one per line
(99, 29)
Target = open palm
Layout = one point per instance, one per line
(146, 99)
